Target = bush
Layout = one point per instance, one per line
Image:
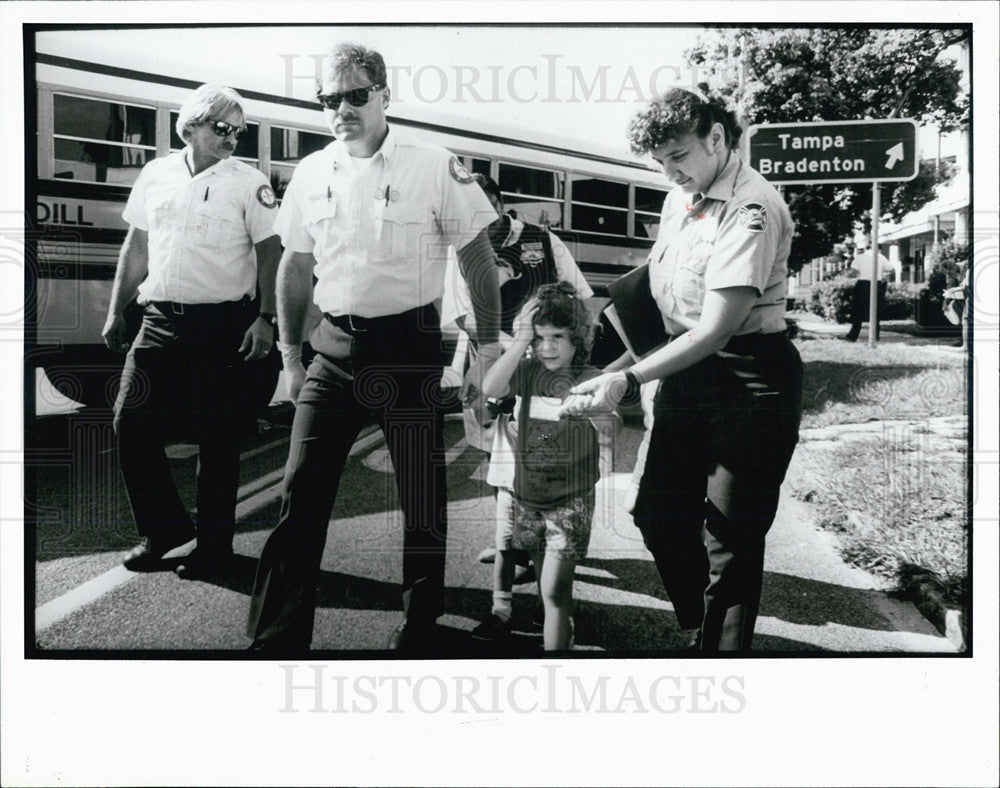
(928, 306)
(898, 302)
(947, 263)
(832, 300)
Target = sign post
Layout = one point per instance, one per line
(850, 151)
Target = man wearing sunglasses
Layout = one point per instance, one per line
(200, 245)
(370, 217)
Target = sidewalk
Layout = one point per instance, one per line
(890, 330)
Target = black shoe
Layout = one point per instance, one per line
(489, 555)
(202, 564)
(278, 648)
(493, 629)
(148, 556)
(411, 637)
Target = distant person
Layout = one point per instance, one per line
(379, 267)
(550, 508)
(200, 244)
(956, 308)
(860, 306)
(726, 415)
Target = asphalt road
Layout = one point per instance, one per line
(86, 601)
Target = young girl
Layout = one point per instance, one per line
(551, 507)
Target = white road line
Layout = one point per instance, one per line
(266, 447)
(62, 606)
(257, 484)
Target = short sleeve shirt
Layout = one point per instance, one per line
(380, 233)
(862, 263)
(201, 228)
(555, 458)
(739, 234)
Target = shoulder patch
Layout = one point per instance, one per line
(752, 217)
(458, 171)
(265, 196)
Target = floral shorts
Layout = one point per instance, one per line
(562, 531)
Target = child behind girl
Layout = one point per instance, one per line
(550, 509)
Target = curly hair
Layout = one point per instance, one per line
(560, 306)
(347, 58)
(677, 112)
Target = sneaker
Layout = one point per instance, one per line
(489, 555)
(493, 628)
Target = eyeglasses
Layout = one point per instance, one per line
(222, 129)
(357, 97)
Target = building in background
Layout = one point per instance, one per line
(907, 243)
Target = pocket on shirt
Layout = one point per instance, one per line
(218, 227)
(402, 224)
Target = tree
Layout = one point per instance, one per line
(800, 75)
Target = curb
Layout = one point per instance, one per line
(930, 598)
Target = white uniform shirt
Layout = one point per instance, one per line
(738, 235)
(380, 234)
(457, 302)
(862, 263)
(202, 229)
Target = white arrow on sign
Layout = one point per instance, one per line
(895, 153)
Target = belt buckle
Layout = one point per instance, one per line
(354, 329)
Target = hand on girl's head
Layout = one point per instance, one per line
(524, 327)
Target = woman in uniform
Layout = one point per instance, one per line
(726, 414)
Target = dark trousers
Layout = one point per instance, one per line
(723, 434)
(392, 371)
(183, 366)
(861, 307)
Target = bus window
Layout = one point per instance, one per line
(476, 166)
(101, 141)
(534, 196)
(648, 204)
(246, 145)
(288, 148)
(599, 206)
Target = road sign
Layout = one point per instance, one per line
(851, 151)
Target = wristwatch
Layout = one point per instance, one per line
(271, 318)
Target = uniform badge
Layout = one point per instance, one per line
(532, 254)
(458, 171)
(752, 217)
(265, 196)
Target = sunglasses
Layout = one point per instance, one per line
(357, 97)
(221, 129)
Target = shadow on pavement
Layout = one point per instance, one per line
(798, 600)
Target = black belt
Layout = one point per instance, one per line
(354, 324)
(188, 310)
